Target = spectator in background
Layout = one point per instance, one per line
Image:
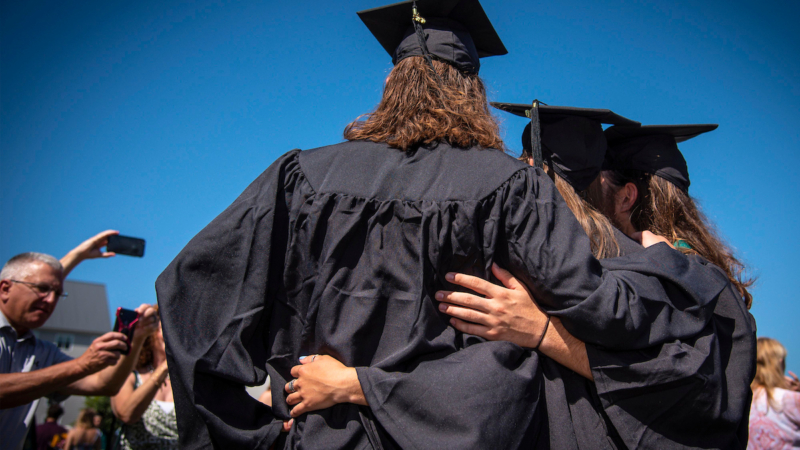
(145, 404)
(85, 436)
(98, 423)
(51, 434)
(775, 412)
(30, 288)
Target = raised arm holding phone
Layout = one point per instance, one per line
(31, 285)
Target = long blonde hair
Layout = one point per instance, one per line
(770, 364)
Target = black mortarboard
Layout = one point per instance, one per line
(571, 139)
(456, 31)
(653, 149)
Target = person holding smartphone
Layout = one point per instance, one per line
(30, 288)
(145, 404)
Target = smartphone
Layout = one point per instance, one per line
(125, 245)
(125, 324)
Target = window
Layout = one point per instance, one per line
(65, 341)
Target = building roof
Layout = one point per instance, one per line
(85, 310)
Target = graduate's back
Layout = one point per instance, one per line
(340, 251)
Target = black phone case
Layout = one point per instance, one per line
(125, 245)
(126, 324)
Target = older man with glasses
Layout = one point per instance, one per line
(30, 288)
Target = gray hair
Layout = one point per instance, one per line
(17, 266)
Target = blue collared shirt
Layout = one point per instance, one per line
(22, 354)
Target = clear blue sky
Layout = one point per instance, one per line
(150, 117)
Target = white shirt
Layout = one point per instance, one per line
(19, 354)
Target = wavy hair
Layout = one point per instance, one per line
(417, 109)
(664, 209)
(770, 365)
(597, 226)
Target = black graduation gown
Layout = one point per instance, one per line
(339, 251)
(693, 392)
(708, 381)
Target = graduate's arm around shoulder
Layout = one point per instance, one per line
(510, 313)
(629, 302)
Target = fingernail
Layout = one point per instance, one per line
(450, 277)
(439, 296)
(302, 358)
(443, 307)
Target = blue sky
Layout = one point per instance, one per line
(150, 117)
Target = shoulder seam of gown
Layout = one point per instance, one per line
(494, 191)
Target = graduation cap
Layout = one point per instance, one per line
(653, 149)
(570, 139)
(455, 31)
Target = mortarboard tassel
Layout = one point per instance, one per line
(536, 137)
(417, 21)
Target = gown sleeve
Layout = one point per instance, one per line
(483, 396)
(215, 299)
(630, 302)
(693, 392)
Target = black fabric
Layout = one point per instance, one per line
(681, 133)
(423, 46)
(534, 137)
(574, 147)
(486, 395)
(571, 139)
(690, 393)
(599, 115)
(446, 40)
(339, 251)
(456, 31)
(657, 155)
(693, 392)
(652, 149)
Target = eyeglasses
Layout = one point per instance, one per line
(43, 289)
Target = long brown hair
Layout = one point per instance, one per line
(770, 361)
(85, 418)
(664, 209)
(417, 109)
(597, 226)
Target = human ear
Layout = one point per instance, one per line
(5, 286)
(629, 194)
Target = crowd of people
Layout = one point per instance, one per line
(417, 287)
